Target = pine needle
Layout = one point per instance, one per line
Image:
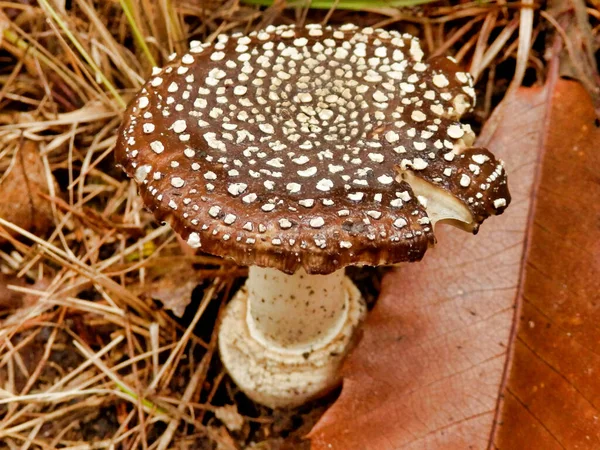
(86, 56)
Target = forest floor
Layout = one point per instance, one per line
(106, 322)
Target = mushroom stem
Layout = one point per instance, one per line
(296, 313)
(302, 361)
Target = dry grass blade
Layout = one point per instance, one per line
(86, 56)
(525, 39)
(108, 42)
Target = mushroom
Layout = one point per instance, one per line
(298, 152)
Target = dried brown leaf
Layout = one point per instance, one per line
(552, 396)
(20, 187)
(173, 285)
(9, 299)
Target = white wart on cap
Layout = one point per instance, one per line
(285, 147)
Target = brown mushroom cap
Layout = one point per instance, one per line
(290, 147)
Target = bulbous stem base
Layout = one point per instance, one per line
(274, 376)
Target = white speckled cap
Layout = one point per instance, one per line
(288, 147)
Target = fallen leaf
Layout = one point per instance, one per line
(552, 396)
(9, 298)
(16, 303)
(173, 285)
(20, 185)
(435, 355)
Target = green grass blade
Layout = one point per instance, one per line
(137, 34)
(355, 5)
(147, 403)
